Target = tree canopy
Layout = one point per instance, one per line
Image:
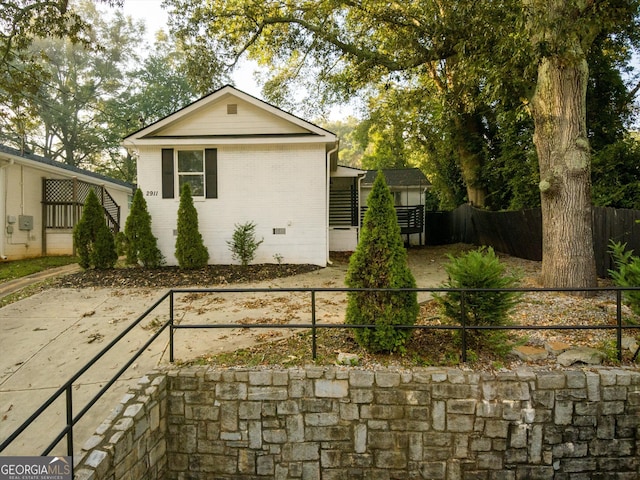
(22, 22)
(91, 90)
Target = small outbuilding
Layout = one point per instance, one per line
(408, 186)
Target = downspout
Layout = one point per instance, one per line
(328, 185)
(3, 182)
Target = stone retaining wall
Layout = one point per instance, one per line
(349, 423)
(131, 443)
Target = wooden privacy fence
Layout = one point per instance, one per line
(520, 233)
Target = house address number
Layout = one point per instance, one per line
(152, 193)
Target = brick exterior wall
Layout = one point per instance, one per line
(275, 186)
(349, 423)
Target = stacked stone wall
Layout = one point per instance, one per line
(131, 443)
(350, 423)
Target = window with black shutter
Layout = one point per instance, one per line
(211, 172)
(188, 165)
(167, 173)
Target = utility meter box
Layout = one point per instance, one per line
(25, 222)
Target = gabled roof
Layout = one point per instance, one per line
(398, 177)
(60, 168)
(229, 115)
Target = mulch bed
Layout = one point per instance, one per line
(168, 277)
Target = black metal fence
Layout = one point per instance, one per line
(67, 389)
(520, 233)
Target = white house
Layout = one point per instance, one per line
(41, 200)
(246, 161)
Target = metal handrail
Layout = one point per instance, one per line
(170, 324)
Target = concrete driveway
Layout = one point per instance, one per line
(47, 338)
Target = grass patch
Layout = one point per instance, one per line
(25, 292)
(21, 268)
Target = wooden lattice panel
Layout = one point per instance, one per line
(58, 191)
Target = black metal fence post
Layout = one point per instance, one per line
(69, 398)
(619, 324)
(313, 325)
(463, 312)
(171, 358)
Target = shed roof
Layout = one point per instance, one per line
(12, 152)
(398, 177)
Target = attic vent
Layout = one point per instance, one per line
(279, 231)
(232, 109)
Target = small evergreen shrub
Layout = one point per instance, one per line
(380, 261)
(141, 245)
(480, 268)
(94, 242)
(190, 249)
(626, 274)
(243, 244)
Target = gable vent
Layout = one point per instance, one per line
(232, 109)
(279, 231)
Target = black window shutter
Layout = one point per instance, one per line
(167, 173)
(211, 172)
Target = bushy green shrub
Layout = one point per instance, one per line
(94, 242)
(141, 245)
(190, 249)
(243, 244)
(626, 274)
(480, 268)
(380, 261)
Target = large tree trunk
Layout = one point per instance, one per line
(558, 108)
(471, 157)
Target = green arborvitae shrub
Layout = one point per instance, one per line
(626, 273)
(190, 249)
(481, 268)
(141, 244)
(94, 242)
(121, 243)
(380, 261)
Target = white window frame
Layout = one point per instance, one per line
(181, 174)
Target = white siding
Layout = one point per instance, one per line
(59, 242)
(402, 196)
(274, 186)
(343, 239)
(213, 119)
(23, 196)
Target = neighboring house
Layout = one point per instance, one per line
(41, 200)
(408, 187)
(246, 161)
